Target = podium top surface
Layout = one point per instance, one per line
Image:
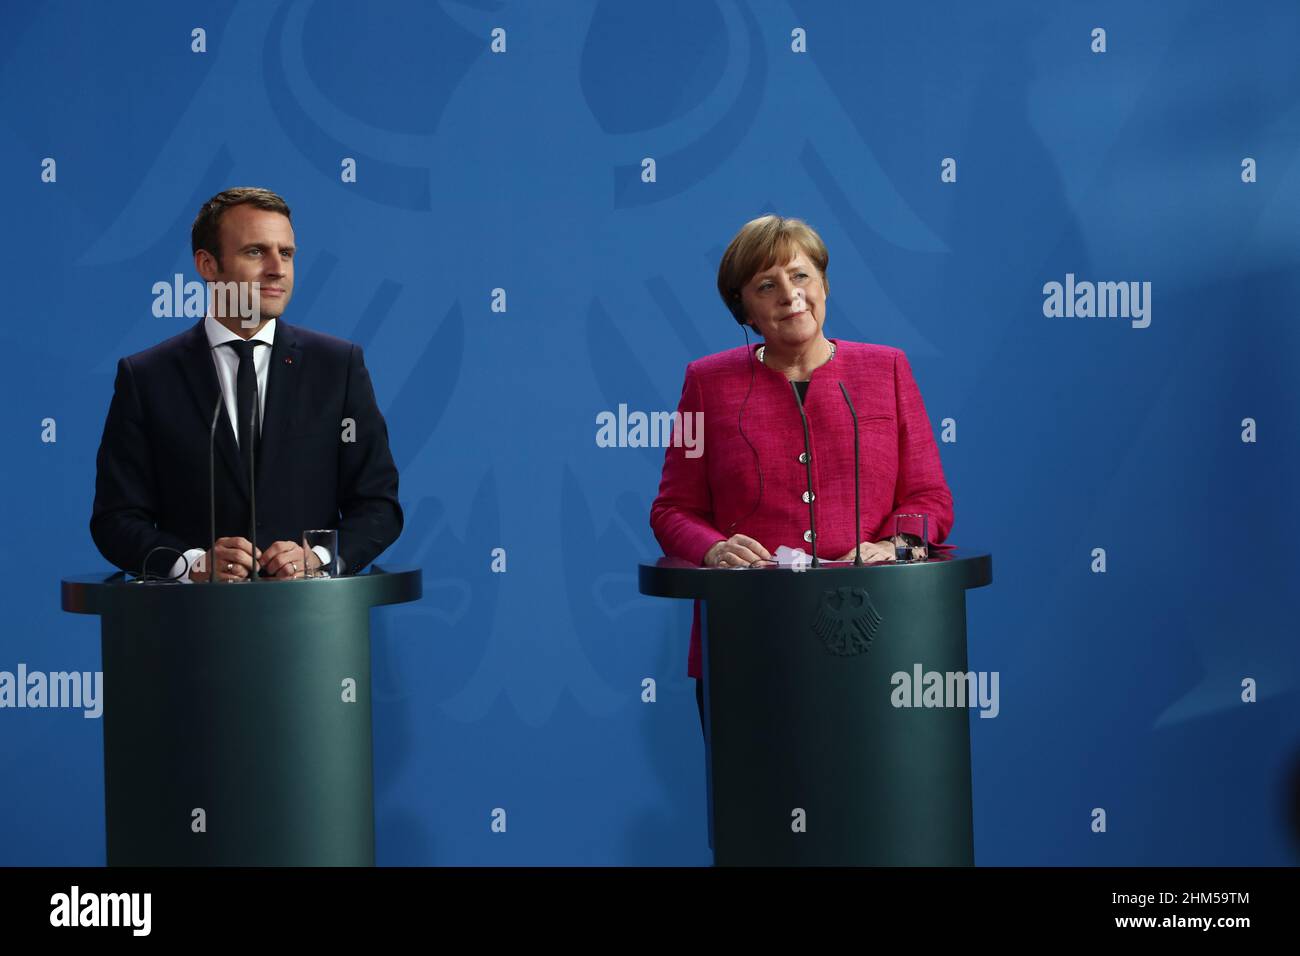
(106, 593)
(676, 578)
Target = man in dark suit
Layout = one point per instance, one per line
(321, 459)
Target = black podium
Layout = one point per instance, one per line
(237, 717)
(810, 761)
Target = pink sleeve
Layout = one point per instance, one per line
(920, 487)
(682, 514)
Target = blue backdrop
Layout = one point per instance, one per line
(522, 170)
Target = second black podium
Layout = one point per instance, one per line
(814, 754)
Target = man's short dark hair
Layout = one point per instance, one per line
(206, 231)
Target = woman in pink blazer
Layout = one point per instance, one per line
(742, 491)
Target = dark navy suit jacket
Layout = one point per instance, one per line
(151, 486)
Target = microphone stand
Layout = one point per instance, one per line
(254, 428)
(212, 489)
(807, 450)
(857, 480)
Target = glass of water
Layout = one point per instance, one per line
(326, 539)
(911, 537)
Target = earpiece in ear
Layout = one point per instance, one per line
(739, 311)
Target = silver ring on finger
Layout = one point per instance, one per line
(230, 566)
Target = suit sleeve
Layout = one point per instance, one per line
(123, 520)
(370, 517)
(920, 487)
(682, 514)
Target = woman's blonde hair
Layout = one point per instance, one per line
(761, 244)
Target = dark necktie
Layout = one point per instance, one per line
(246, 394)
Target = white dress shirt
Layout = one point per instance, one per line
(226, 361)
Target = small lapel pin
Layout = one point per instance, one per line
(288, 360)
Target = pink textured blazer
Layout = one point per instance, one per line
(709, 497)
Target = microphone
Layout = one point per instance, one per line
(857, 481)
(212, 488)
(807, 454)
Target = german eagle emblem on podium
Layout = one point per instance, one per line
(846, 621)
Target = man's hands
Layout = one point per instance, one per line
(233, 560)
(285, 559)
(235, 557)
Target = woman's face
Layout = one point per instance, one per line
(786, 304)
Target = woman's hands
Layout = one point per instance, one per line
(738, 551)
(874, 551)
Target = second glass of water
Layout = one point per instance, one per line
(325, 542)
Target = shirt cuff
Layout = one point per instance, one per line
(181, 569)
(324, 555)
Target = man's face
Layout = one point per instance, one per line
(256, 246)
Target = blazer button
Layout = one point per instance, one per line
(803, 458)
(809, 497)
(808, 536)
